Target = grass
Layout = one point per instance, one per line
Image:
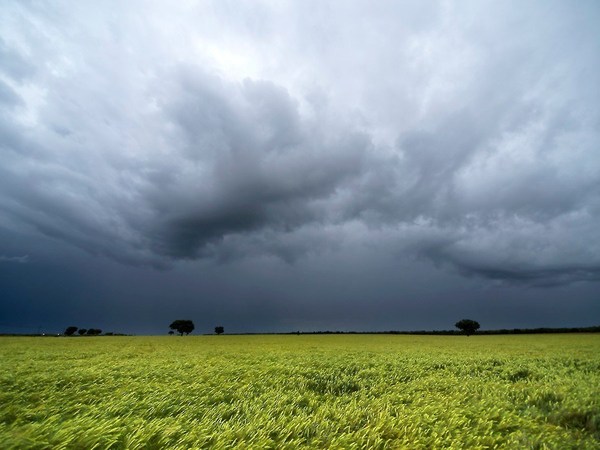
(340, 391)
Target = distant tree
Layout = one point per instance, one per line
(467, 326)
(219, 330)
(171, 332)
(182, 326)
(82, 331)
(94, 332)
(70, 331)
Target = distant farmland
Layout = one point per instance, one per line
(308, 391)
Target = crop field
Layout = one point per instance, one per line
(307, 391)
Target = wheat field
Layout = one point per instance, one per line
(307, 391)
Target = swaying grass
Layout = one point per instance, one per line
(345, 391)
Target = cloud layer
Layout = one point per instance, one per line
(467, 134)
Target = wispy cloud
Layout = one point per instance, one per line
(14, 259)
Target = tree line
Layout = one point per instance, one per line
(187, 326)
(465, 326)
(70, 331)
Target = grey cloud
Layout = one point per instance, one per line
(519, 251)
(466, 137)
(13, 64)
(8, 96)
(14, 259)
(257, 164)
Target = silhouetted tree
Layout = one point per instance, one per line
(182, 326)
(171, 332)
(467, 326)
(82, 331)
(219, 330)
(94, 332)
(70, 331)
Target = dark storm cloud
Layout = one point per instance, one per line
(251, 162)
(469, 136)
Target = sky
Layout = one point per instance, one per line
(273, 166)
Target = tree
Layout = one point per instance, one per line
(82, 331)
(171, 332)
(70, 331)
(182, 326)
(219, 330)
(94, 332)
(467, 326)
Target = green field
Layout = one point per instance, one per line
(307, 391)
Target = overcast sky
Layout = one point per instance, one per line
(302, 165)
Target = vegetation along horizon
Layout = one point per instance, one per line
(307, 391)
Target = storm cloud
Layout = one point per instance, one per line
(466, 134)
